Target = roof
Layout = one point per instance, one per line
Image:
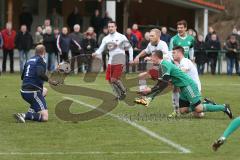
(196, 4)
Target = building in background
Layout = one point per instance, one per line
(125, 12)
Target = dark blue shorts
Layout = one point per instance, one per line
(35, 99)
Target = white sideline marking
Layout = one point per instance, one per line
(85, 153)
(141, 128)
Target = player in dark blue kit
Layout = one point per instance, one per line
(33, 78)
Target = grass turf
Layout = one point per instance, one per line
(108, 138)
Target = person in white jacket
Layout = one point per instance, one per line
(117, 44)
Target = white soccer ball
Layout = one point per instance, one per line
(64, 67)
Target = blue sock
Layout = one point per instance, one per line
(33, 116)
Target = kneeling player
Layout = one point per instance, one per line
(190, 97)
(32, 90)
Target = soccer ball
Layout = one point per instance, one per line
(64, 67)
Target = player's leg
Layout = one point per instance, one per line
(184, 104)
(117, 71)
(233, 126)
(113, 74)
(192, 94)
(38, 110)
(142, 80)
(175, 103)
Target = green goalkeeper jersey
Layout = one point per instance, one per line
(186, 42)
(179, 78)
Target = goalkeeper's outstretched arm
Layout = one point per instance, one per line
(159, 87)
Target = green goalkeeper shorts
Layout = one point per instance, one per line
(190, 94)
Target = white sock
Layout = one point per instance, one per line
(175, 101)
(142, 85)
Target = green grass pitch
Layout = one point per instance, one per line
(108, 136)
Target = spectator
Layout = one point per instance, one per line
(49, 41)
(78, 37)
(235, 32)
(63, 44)
(56, 33)
(165, 36)
(1, 45)
(96, 22)
(200, 54)
(26, 18)
(213, 45)
(193, 33)
(105, 53)
(38, 36)
(106, 19)
(143, 45)
(232, 47)
(210, 32)
(8, 36)
(1, 41)
(47, 23)
(137, 33)
(134, 42)
(89, 45)
(56, 19)
(91, 32)
(24, 43)
(74, 18)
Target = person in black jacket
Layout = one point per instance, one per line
(213, 45)
(74, 18)
(26, 18)
(232, 47)
(49, 41)
(89, 45)
(200, 54)
(63, 44)
(96, 21)
(78, 37)
(24, 43)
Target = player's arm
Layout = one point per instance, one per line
(161, 84)
(191, 53)
(130, 50)
(23, 73)
(171, 44)
(185, 66)
(41, 73)
(141, 54)
(58, 44)
(101, 48)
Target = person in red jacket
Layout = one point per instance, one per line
(137, 33)
(8, 36)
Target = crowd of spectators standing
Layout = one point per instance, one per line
(60, 41)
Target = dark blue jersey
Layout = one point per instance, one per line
(33, 75)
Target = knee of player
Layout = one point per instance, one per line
(142, 76)
(112, 80)
(184, 110)
(198, 109)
